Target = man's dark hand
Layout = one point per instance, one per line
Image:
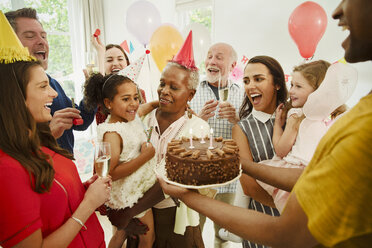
(135, 227)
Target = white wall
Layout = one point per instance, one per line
(115, 21)
(253, 27)
(260, 27)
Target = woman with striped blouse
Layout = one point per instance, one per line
(265, 89)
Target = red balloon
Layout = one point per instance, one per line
(306, 26)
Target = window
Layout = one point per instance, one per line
(5, 5)
(53, 14)
(61, 20)
(195, 11)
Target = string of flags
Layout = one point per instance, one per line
(129, 49)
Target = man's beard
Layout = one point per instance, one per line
(211, 78)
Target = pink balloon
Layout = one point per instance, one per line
(143, 18)
(306, 26)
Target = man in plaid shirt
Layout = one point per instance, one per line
(221, 115)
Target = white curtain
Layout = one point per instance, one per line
(85, 16)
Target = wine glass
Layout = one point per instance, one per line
(223, 93)
(102, 156)
(91, 62)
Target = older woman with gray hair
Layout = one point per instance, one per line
(176, 226)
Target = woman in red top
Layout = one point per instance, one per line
(43, 202)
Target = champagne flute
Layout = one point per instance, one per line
(91, 64)
(102, 156)
(223, 93)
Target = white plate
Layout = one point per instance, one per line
(160, 170)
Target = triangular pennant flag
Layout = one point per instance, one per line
(124, 45)
(11, 48)
(131, 47)
(185, 55)
(132, 71)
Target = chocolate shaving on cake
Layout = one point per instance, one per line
(173, 144)
(220, 152)
(195, 154)
(229, 141)
(185, 139)
(179, 150)
(176, 141)
(232, 147)
(171, 148)
(228, 150)
(218, 139)
(209, 154)
(185, 154)
(195, 138)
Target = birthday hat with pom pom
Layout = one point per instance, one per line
(133, 70)
(185, 55)
(11, 48)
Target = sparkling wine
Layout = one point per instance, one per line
(102, 165)
(89, 69)
(223, 94)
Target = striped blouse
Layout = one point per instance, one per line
(258, 127)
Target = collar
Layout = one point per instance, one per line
(175, 125)
(262, 116)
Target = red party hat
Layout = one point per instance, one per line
(185, 55)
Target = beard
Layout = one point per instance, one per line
(212, 78)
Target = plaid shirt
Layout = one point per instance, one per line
(221, 127)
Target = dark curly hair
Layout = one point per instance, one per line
(99, 87)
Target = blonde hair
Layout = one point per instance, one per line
(314, 72)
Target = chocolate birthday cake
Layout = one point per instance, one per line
(200, 165)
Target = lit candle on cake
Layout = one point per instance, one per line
(191, 146)
(202, 139)
(211, 139)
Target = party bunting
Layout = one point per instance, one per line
(131, 47)
(124, 45)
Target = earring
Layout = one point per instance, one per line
(188, 110)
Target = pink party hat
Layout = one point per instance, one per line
(132, 71)
(185, 55)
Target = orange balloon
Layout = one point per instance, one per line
(164, 44)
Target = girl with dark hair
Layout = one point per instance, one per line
(132, 164)
(111, 59)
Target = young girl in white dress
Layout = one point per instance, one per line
(314, 105)
(132, 157)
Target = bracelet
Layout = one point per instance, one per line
(80, 222)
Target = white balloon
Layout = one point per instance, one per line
(201, 40)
